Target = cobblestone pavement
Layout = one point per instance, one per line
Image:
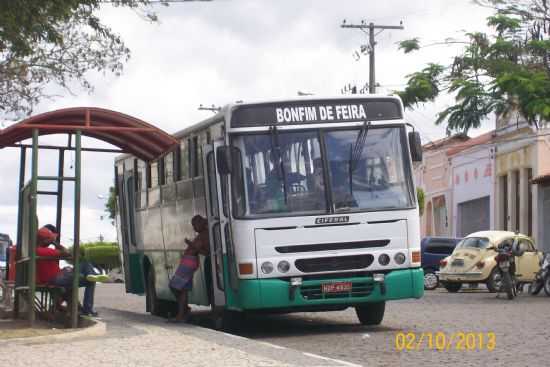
(521, 328)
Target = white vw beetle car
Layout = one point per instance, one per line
(473, 260)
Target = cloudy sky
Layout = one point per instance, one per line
(227, 50)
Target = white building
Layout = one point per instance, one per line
(472, 165)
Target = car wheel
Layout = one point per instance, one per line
(371, 313)
(509, 285)
(452, 287)
(494, 282)
(547, 285)
(535, 287)
(431, 281)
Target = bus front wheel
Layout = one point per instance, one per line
(371, 313)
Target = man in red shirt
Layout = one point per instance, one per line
(48, 269)
(49, 272)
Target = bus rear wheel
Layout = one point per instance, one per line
(371, 313)
(153, 304)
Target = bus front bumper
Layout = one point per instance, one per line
(279, 294)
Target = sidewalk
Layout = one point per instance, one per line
(132, 338)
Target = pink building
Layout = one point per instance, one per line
(433, 175)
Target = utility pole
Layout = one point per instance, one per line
(371, 27)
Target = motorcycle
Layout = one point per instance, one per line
(505, 260)
(542, 279)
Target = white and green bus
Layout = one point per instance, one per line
(311, 206)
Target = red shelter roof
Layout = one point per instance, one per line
(130, 134)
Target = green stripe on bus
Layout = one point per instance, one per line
(136, 273)
(274, 293)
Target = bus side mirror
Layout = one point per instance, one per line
(224, 159)
(415, 145)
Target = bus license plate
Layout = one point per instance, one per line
(336, 287)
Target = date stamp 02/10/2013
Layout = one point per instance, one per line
(444, 341)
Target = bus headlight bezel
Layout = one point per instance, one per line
(384, 259)
(399, 258)
(283, 266)
(267, 267)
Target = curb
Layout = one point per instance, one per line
(97, 328)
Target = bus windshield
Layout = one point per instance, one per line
(367, 170)
(284, 173)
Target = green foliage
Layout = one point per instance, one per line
(421, 197)
(103, 254)
(409, 45)
(110, 205)
(44, 42)
(509, 70)
(423, 86)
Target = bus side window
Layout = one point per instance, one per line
(191, 148)
(148, 176)
(195, 166)
(161, 172)
(154, 190)
(176, 165)
(141, 190)
(168, 168)
(184, 159)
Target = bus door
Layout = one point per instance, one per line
(217, 221)
(123, 194)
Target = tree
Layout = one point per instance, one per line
(421, 200)
(110, 205)
(505, 72)
(55, 42)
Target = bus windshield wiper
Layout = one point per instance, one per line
(356, 151)
(278, 158)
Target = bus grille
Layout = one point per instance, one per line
(313, 292)
(333, 263)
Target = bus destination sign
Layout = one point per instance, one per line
(309, 112)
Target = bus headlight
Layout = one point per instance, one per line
(384, 259)
(399, 258)
(267, 267)
(283, 266)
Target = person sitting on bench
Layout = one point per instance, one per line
(48, 271)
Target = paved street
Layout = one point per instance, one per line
(521, 327)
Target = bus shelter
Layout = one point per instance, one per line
(128, 134)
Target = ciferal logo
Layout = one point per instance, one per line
(332, 220)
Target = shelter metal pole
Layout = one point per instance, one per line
(60, 172)
(32, 227)
(22, 167)
(76, 245)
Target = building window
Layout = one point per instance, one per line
(440, 216)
